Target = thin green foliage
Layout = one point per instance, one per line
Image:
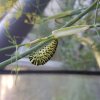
(71, 22)
(96, 15)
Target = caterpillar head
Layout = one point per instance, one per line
(44, 54)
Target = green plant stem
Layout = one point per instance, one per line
(94, 25)
(64, 14)
(80, 15)
(96, 12)
(19, 45)
(13, 59)
(67, 14)
(36, 41)
(10, 47)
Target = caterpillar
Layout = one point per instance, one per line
(40, 57)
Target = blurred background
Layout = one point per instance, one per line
(71, 54)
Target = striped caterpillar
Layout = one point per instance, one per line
(44, 54)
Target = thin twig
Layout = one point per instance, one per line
(20, 45)
(96, 12)
(13, 59)
(80, 15)
(67, 14)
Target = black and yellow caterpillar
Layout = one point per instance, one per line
(44, 54)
